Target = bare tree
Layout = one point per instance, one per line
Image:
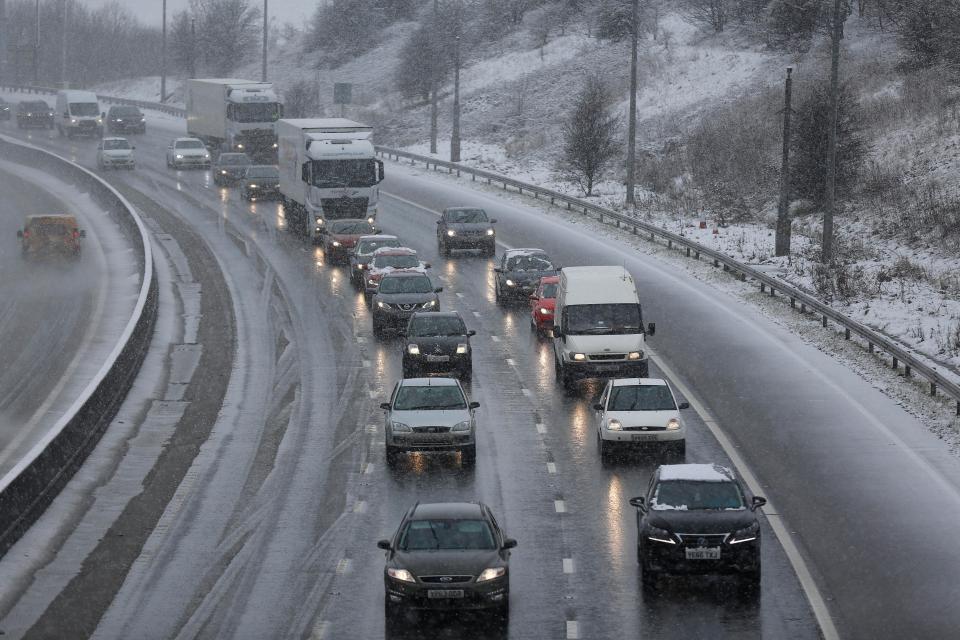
(591, 135)
(302, 100)
(713, 14)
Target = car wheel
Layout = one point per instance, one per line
(468, 456)
(496, 292)
(605, 447)
(491, 250)
(467, 374)
(677, 450)
(377, 328)
(751, 579)
(648, 579)
(645, 370)
(393, 453)
(408, 372)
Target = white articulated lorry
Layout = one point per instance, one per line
(234, 115)
(327, 172)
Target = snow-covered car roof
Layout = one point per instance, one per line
(710, 472)
(187, 139)
(512, 253)
(115, 139)
(634, 382)
(378, 236)
(393, 251)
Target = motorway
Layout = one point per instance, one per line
(272, 529)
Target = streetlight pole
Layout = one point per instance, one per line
(782, 241)
(36, 48)
(455, 133)
(63, 47)
(433, 78)
(266, 24)
(3, 40)
(632, 125)
(163, 56)
(826, 252)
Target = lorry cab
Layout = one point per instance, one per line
(78, 113)
(598, 326)
(50, 235)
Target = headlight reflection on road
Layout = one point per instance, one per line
(613, 514)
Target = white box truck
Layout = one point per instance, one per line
(234, 115)
(78, 113)
(327, 172)
(598, 326)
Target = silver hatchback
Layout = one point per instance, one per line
(430, 414)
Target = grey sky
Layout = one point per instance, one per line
(148, 11)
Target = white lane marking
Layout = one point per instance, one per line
(320, 630)
(495, 338)
(573, 630)
(560, 506)
(809, 585)
(368, 468)
(476, 314)
(527, 392)
(374, 393)
(459, 295)
(360, 507)
(568, 565)
(344, 566)
(551, 467)
(541, 428)
(366, 363)
(511, 362)
(373, 428)
(434, 212)
(361, 339)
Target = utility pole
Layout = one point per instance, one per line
(36, 47)
(783, 213)
(433, 78)
(266, 23)
(826, 252)
(3, 41)
(455, 133)
(632, 125)
(193, 48)
(63, 47)
(163, 56)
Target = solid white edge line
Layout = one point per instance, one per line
(573, 630)
(817, 603)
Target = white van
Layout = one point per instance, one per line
(598, 326)
(78, 113)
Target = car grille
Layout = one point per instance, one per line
(445, 579)
(645, 428)
(702, 539)
(607, 356)
(406, 306)
(341, 208)
(431, 429)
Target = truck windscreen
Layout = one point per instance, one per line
(254, 112)
(602, 319)
(328, 174)
(84, 109)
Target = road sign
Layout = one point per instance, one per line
(342, 92)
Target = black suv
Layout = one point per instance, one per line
(4, 109)
(438, 343)
(399, 296)
(260, 181)
(519, 273)
(230, 168)
(123, 118)
(34, 113)
(447, 556)
(697, 518)
(466, 228)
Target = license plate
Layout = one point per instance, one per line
(607, 367)
(703, 553)
(643, 437)
(444, 593)
(438, 358)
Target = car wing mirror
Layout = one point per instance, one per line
(497, 270)
(509, 543)
(20, 233)
(639, 503)
(384, 544)
(474, 405)
(385, 406)
(557, 331)
(683, 405)
(439, 221)
(534, 296)
(598, 407)
(651, 328)
(426, 265)
(493, 221)
(83, 233)
(472, 332)
(438, 290)
(757, 502)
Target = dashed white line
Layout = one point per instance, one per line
(374, 393)
(551, 467)
(373, 428)
(366, 364)
(527, 392)
(343, 566)
(320, 630)
(511, 362)
(560, 506)
(541, 428)
(476, 314)
(495, 338)
(368, 468)
(459, 295)
(573, 630)
(568, 565)
(361, 339)
(360, 507)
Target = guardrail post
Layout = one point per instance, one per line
(697, 255)
(669, 244)
(958, 408)
(907, 371)
(743, 277)
(773, 292)
(651, 235)
(473, 177)
(896, 364)
(519, 189)
(716, 263)
(846, 335)
(552, 200)
(688, 252)
(504, 186)
(726, 267)
(635, 230)
(933, 389)
(763, 288)
(824, 321)
(870, 346)
(793, 304)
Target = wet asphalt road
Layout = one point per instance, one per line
(292, 553)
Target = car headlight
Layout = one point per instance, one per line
(319, 221)
(430, 304)
(489, 232)
(400, 574)
(239, 145)
(73, 121)
(413, 349)
(546, 312)
(223, 172)
(143, 119)
(275, 145)
(462, 426)
(510, 283)
(253, 186)
(179, 156)
(491, 574)
(336, 243)
(363, 266)
(635, 355)
(99, 120)
(746, 534)
(578, 356)
(673, 424)
(462, 348)
(451, 233)
(371, 219)
(614, 425)
(381, 305)
(372, 282)
(399, 426)
(660, 535)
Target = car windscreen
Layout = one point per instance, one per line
(435, 534)
(396, 262)
(233, 159)
(549, 291)
(406, 285)
(263, 172)
(34, 106)
(641, 398)
(189, 144)
(328, 174)
(125, 111)
(432, 398)
(350, 227)
(529, 263)
(110, 145)
(602, 319)
(84, 109)
(369, 246)
(434, 325)
(696, 495)
(466, 215)
(254, 112)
